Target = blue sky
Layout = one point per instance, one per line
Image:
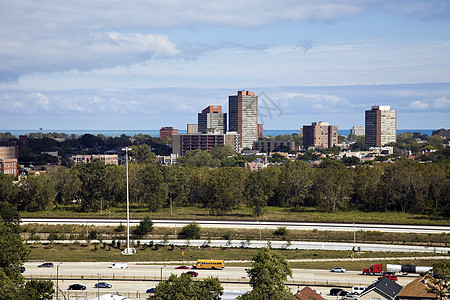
(147, 64)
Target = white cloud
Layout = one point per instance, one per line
(418, 105)
(442, 103)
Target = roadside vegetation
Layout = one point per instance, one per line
(36, 232)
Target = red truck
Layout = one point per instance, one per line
(375, 269)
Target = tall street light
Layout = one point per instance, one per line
(128, 250)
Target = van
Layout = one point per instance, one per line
(118, 265)
(357, 290)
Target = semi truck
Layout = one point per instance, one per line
(377, 269)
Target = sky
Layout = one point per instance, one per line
(144, 64)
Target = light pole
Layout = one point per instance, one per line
(128, 250)
(161, 270)
(57, 280)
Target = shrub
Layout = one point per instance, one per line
(119, 228)
(281, 231)
(93, 234)
(191, 231)
(144, 227)
(53, 236)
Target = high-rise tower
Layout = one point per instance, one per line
(381, 126)
(243, 114)
(212, 120)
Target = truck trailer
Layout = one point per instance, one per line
(377, 269)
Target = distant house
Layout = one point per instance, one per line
(104, 158)
(382, 289)
(257, 164)
(416, 290)
(308, 294)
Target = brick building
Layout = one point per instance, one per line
(320, 134)
(8, 160)
(167, 132)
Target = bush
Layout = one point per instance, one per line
(119, 228)
(281, 231)
(53, 236)
(144, 227)
(191, 231)
(93, 234)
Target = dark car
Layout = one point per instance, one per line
(182, 267)
(46, 265)
(151, 290)
(192, 273)
(335, 291)
(103, 285)
(22, 269)
(76, 286)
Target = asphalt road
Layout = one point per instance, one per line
(252, 225)
(137, 278)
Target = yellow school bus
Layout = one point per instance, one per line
(209, 264)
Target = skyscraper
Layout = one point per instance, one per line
(212, 120)
(320, 134)
(381, 126)
(243, 114)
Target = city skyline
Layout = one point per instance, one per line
(121, 65)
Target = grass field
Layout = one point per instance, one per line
(244, 213)
(30, 231)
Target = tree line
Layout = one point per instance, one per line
(404, 186)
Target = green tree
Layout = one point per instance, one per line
(440, 280)
(295, 183)
(37, 192)
(185, 288)
(223, 189)
(198, 158)
(38, 289)
(258, 190)
(267, 275)
(145, 226)
(8, 190)
(92, 176)
(191, 231)
(143, 154)
(9, 214)
(333, 186)
(150, 185)
(115, 185)
(221, 152)
(67, 185)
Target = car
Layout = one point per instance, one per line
(344, 293)
(338, 270)
(103, 285)
(391, 277)
(357, 290)
(151, 290)
(118, 265)
(77, 286)
(46, 265)
(182, 267)
(22, 269)
(192, 273)
(335, 291)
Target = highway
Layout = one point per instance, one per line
(251, 225)
(137, 278)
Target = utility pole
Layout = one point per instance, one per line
(128, 251)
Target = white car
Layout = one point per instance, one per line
(119, 265)
(357, 290)
(338, 270)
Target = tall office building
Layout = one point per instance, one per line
(243, 115)
(192, 128)
(212, 120)
(381, 126)
(320, 134)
